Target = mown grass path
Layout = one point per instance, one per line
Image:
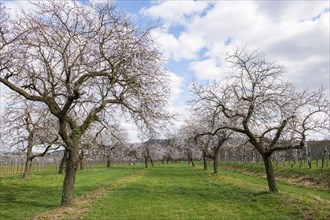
(169, 191)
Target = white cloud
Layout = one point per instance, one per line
(293, 33)
(175, 12)
(206, 69)
(176, 84)
(184, 47)
(282, 11)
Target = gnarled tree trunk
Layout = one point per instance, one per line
(270, 173)
(72, 164)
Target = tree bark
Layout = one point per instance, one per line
(27, 168)
(63, 162)
(28, 152)
(323, 158)
(204, 161)
(81, 160)
(216, 164)
(152, 163)
(72, 164)
(270, 174)
(192, 162)
(146, 162)
(108, 161)
(216, 160)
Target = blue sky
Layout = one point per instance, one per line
(195, 35)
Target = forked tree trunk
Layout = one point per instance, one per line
(72, 164)
(270, 174)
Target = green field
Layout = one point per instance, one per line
(169, 191)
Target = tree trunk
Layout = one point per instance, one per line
(27, 168)
(146, 162)
(216, 164)
(323, 158)
(204, 161)
(108, 161)
(81, 160)
(28, 155)
(63, 162)
(270, 173)
(72, 164)
(152, 163)
(192, 162)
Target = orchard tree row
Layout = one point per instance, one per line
(75, 71)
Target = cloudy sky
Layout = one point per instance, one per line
(195, 35)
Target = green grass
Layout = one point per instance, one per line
(22, 199)
(169, 191)
(178, 192)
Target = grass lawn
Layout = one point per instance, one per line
(23, 199)
(177, 191)
(169, 191)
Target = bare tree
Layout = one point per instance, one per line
(187, 142)
(108, 139)
(269, 112)
(206, 138)
(211, 145)
(27, 125)
(83, 61)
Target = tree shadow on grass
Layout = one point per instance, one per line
(20, 202)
